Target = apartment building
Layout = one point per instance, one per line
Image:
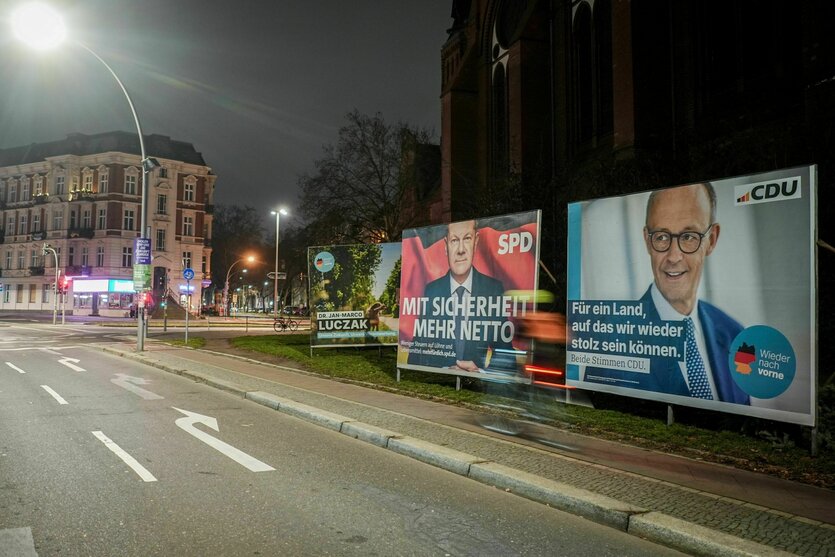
(82, 197)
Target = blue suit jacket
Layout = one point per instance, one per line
(475, 351)
(665, 375)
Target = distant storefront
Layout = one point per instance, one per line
(105, 297)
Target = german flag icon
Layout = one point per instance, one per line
(745, 354)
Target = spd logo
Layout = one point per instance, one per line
(764, 192)
(521, 241)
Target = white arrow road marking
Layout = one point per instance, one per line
(130, 383)
(187, 425)
(14, 367)
(126, 458)
(70, 363)
(55, 395)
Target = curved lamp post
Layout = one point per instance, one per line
(42, 28)
(249, 259)
(49, 249)
(278, 213)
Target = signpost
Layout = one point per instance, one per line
(188, 274)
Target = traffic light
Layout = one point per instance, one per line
(64, 285)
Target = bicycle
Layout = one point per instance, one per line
(281, 324)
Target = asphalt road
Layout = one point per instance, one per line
(102, 456)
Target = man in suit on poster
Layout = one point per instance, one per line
(456, 289)
(680, 232)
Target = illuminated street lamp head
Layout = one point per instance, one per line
(280, 211)
(39, 26)
(251, 258)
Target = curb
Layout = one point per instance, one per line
(696, 540)
(651, 525)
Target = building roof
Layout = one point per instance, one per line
(160, 146)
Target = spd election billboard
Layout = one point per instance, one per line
(353, 294)
(700, 295)
(463, 286)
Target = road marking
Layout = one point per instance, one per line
(130, 383)
(187, 425)
(22, 348)
(70, 363)
(126, 458)
(17, 541)
(55, 395)
(14, 367)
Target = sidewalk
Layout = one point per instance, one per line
(693, 506)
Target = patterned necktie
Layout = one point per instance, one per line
(696, 374)
(459, 321)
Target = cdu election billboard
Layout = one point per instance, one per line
(353, 294)
(463, 286)
(701, 295)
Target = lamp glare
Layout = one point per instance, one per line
(39, 26)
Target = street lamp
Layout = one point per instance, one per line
(249, 259)
(42, 28)
(48, 248)
(281, 211)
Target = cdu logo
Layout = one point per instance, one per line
(764, 192)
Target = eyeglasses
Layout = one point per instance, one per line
(688, 242)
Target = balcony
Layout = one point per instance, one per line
(36, 271)
(77, 270)
(81, 195)
(81, 233)
(38, 236)
(40, 198)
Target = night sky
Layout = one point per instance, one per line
(258, 86)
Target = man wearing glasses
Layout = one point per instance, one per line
(680, 232)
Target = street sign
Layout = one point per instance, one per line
(271, 275)
(142, 249)
(188, 273)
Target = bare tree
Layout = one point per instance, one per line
(356, 192)
(236, 232)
